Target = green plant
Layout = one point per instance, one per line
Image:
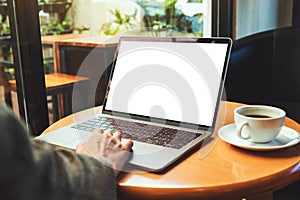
(119, 24)
(10, 72)
(166, 18)
(56, 28)
(195, 1)
(53, 17)
(4, 29)
(170, 12)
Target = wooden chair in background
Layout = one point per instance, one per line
(58, 86)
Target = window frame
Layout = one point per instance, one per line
(28, 63)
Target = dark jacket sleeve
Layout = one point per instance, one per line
(32, 169)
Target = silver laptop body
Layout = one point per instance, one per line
(167, 88)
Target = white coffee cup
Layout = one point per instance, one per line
(258, 123)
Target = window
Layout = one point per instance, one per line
(26, 33)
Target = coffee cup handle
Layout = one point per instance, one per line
(239, 128)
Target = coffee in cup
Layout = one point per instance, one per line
(258, 123)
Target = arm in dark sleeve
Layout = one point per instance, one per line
(32, 169)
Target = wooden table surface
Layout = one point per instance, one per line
(56, 80)
(217, 170)
(80, 40)
(51, 39)
(57, 85)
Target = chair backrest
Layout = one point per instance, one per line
(264, 68)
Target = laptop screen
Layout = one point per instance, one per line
(172, 80)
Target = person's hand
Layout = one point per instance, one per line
(108, 145)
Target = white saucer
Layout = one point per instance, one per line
(283, 140)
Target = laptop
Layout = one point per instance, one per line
(163, 93)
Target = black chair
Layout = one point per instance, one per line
(264, 68)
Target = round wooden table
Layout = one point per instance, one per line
(217, 170)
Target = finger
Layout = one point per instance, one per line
(109, 138)
(117, 135)
(108, 132)
(113, 140)
(100, 131)
(98, 146)
(79, 146)
(96, 132)
(127, 145)
(94, 135)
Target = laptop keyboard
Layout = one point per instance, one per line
(150, 134)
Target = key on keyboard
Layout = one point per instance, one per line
(150, 134)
